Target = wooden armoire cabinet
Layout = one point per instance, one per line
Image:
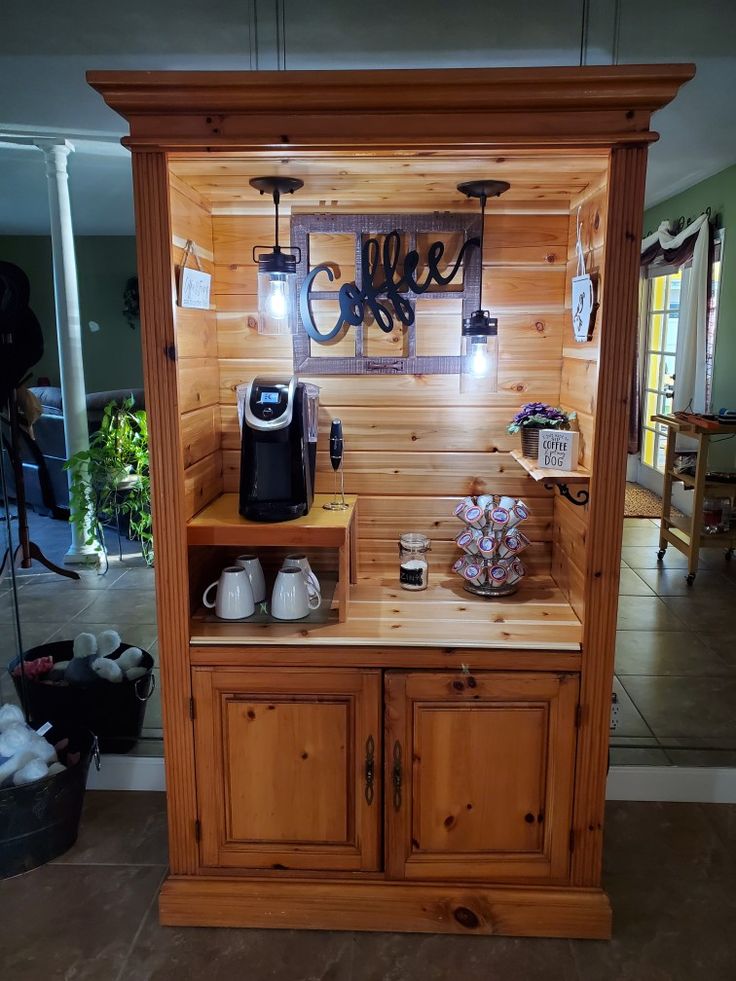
(415, 761)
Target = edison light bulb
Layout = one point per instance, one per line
(278, 304)
(480, 362)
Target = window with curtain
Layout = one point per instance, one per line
(678, 317)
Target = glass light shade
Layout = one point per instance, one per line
(276, 299)
(479, 356)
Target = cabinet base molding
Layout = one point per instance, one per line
(532, 911)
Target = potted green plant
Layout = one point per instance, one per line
(111, 480)
(533, 417)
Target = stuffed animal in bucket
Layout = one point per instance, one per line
(92, 660)
(25, 756)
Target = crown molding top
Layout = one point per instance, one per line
(602, 105)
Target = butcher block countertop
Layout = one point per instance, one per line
(537, 617)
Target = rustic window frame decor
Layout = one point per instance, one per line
(410, 226)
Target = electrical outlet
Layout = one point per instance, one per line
(615, 711)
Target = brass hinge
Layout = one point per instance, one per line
(572, 840)
(197, 830)
(192, 713)
(578, 715)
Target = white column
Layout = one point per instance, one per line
(68, 326)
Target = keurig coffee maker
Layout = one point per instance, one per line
(279, 449)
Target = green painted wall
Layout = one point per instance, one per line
(718, 192)
(112, 355)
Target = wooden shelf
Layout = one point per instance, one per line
(685, 478)
(709, 427)
(579, 476)
(221, 524)
(537, 617)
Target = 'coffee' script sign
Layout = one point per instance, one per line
(381, 292)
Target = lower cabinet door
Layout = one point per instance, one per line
(288, 765)
(479, 775)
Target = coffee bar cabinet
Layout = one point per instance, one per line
(422, 759)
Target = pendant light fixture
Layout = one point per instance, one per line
(479, 349)
(276, 269)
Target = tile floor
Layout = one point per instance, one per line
(91, 915)
(675, 657)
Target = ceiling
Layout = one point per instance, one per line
(45, 51)
(391, 182)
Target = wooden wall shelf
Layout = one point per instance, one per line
(579, 476)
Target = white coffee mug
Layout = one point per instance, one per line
(300, 561)
(252, 565)
(293, 595)
(234, 596)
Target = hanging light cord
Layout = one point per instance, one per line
(483, 200)
(276, 199)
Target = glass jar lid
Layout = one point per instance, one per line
(414, 541)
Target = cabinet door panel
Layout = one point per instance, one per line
(286, 752)
(281, 768)
(481, 772)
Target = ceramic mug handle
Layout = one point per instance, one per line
(210, 606)
(314, 598)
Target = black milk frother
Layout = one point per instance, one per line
(336, 454)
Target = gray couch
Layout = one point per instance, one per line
(44, 456)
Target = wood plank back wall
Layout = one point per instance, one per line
(196, 354)
(578, 392)
(411, 447)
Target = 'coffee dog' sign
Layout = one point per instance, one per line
(558, 450)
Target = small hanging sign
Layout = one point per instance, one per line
(584, 302)
(558, 449)
(194, 284)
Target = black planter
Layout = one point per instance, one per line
(40, 821)
(114, 712)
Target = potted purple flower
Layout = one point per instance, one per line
(533, 417)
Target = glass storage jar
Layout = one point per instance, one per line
(413, 564)
(716, 515)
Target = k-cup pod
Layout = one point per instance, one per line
(462, 506)
(474, 572)
(498, 518)
(514, 570)
(468, 540)
(498, 573)
(485, 501)
(474, 516)
(519, 512)
(487, 546)
(459, 564)
(507, 502)
(511, 544)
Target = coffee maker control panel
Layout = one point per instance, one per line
(269, 403)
